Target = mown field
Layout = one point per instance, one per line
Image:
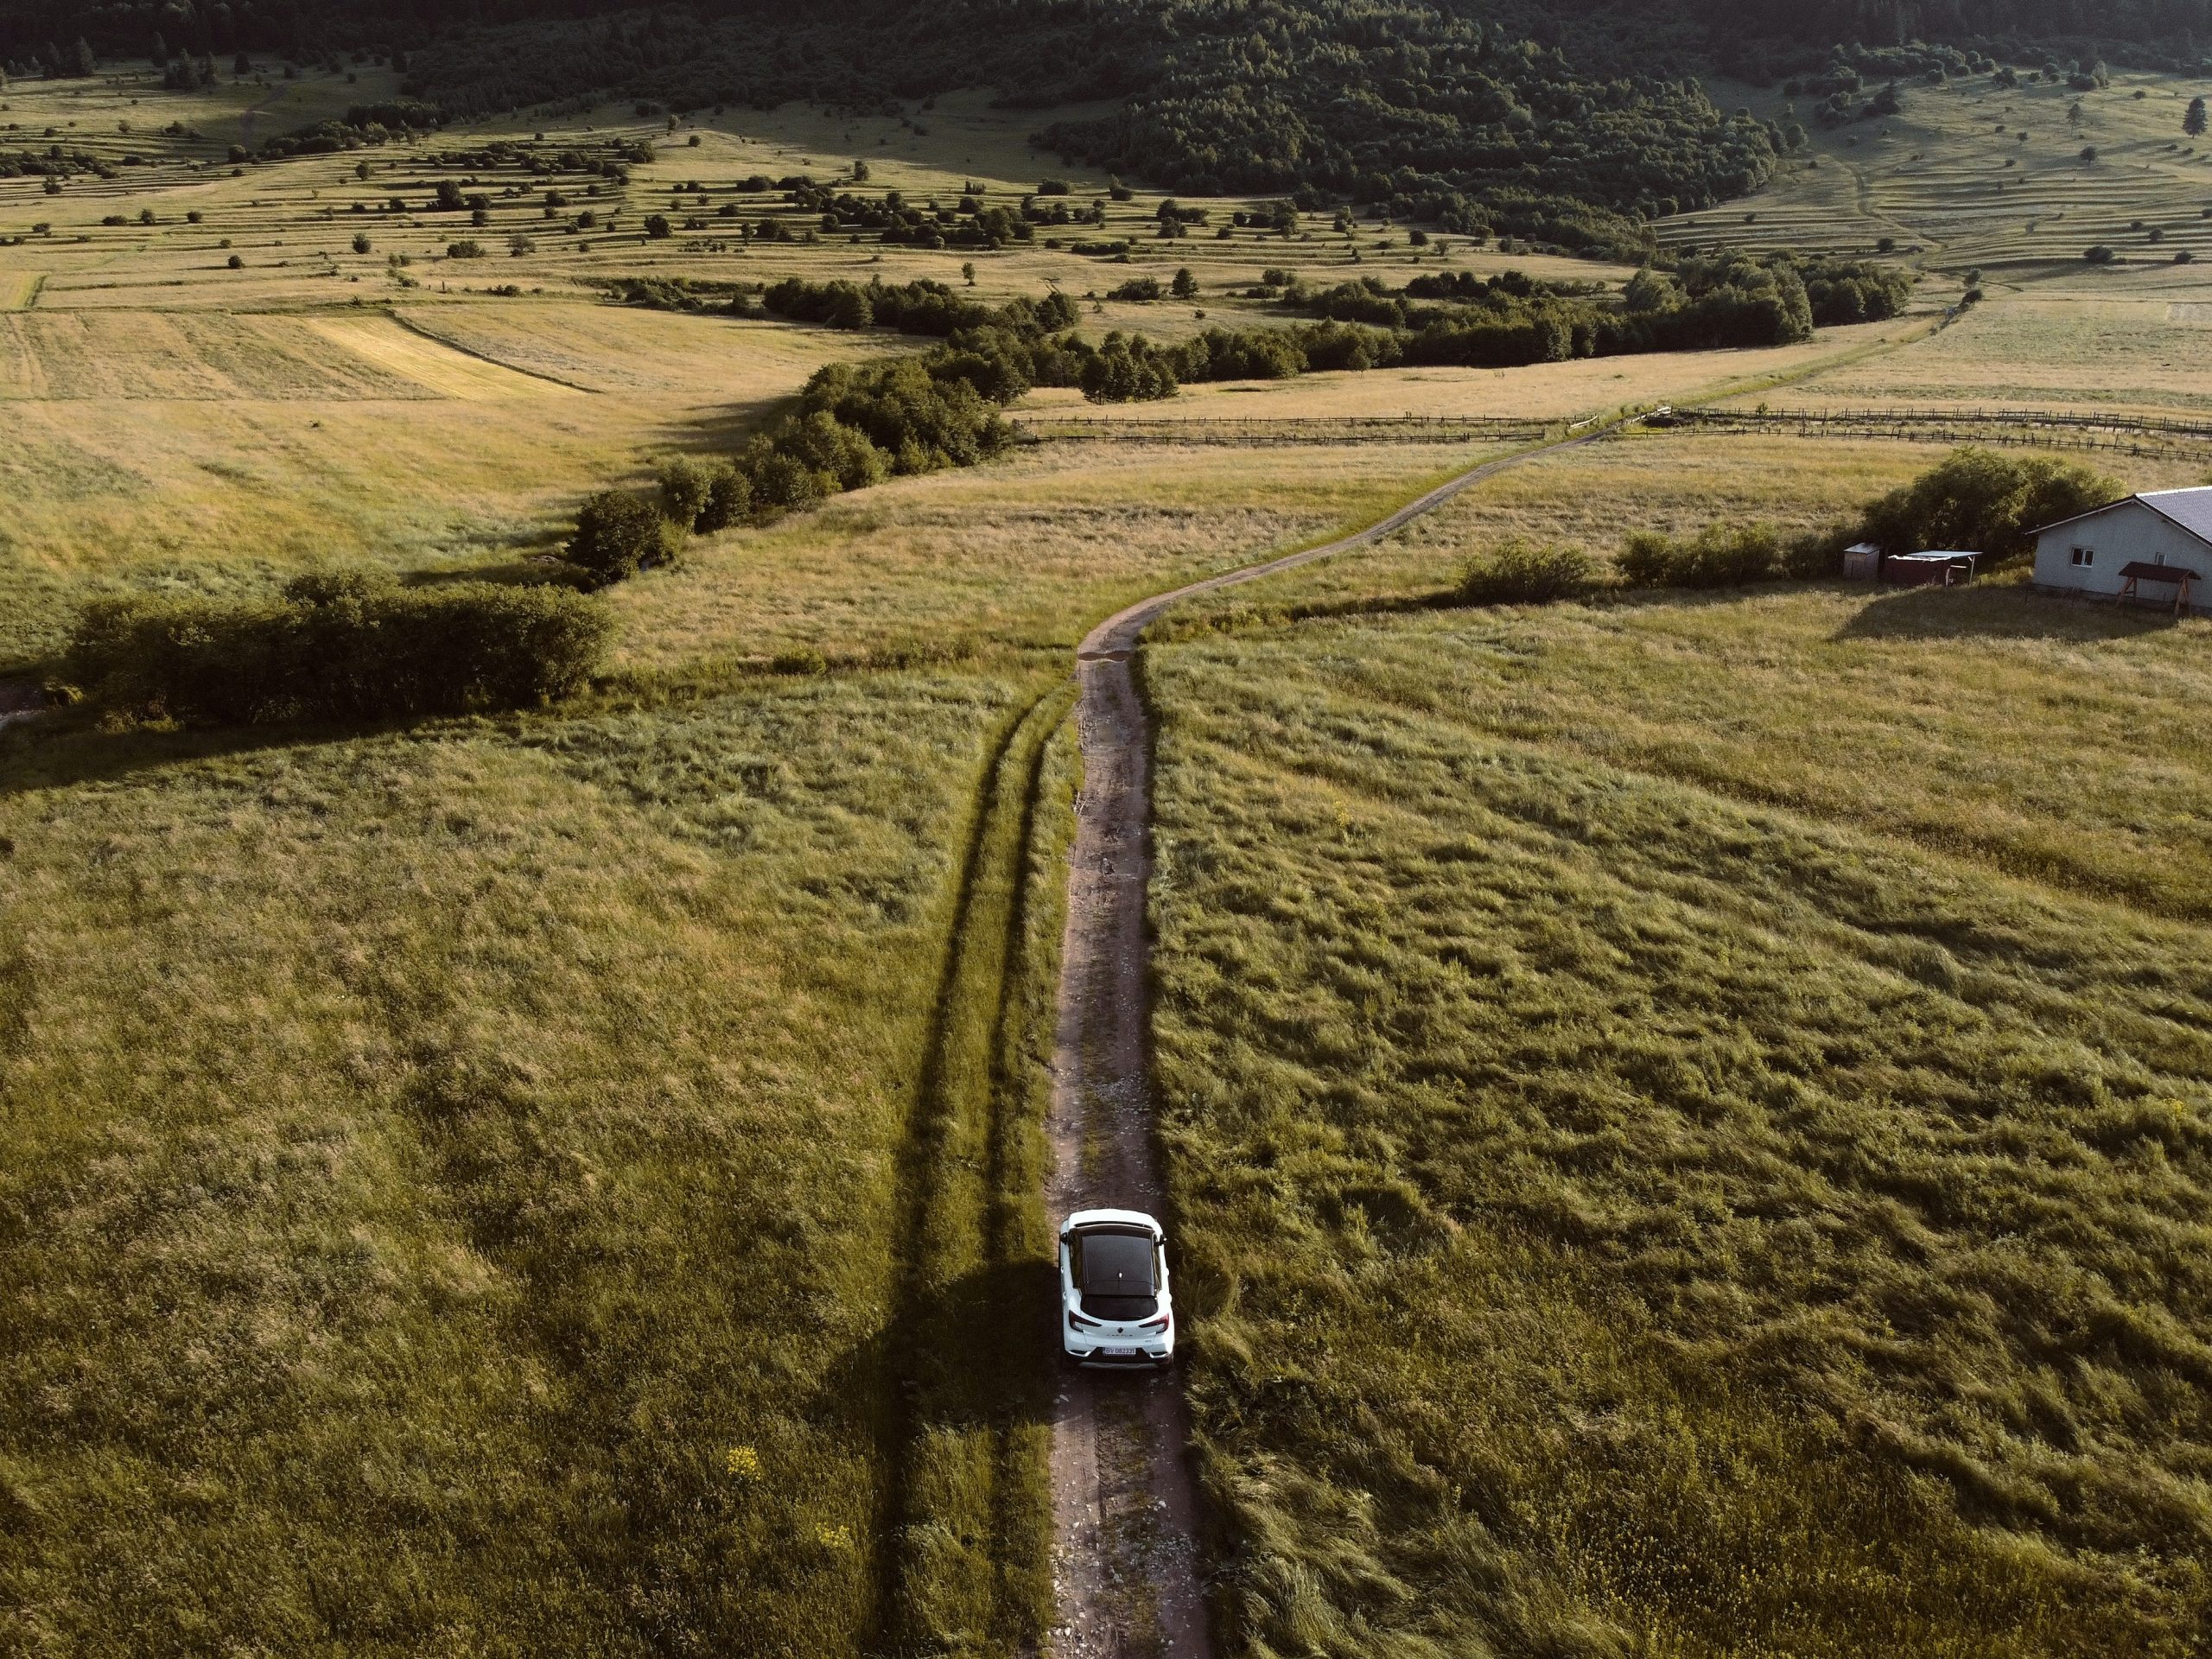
(1690, 1125)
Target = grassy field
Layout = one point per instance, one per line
(2112, 341)
(576, 1154)
(1972, 174)
(1592, 496)
(492, 1135)
(1691, 1126)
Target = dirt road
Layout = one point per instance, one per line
(1125, 1561)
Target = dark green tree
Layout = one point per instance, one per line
(617, 536)
(2192, 121)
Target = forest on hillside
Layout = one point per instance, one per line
(1566, 124)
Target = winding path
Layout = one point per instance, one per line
(1125, 1564)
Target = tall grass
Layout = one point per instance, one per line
(451, 1178)
(1654, 1175)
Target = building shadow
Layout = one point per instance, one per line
(1998, 611)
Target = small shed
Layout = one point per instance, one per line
(1862, 561)
(2150, 549)
(1937, 567)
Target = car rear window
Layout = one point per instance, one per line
(1114, 1264)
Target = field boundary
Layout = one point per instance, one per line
(451, 345)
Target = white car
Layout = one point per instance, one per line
(1114, 1306)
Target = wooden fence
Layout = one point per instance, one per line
(2138, 434)
(1247, 429)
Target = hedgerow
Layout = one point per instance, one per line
(353, 646)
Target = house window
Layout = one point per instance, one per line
(2085, 555)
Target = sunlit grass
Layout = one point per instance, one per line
(462, 1139)
(1691, 1127)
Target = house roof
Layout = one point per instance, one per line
(2190, 509)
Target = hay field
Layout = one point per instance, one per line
(1691, 1124)
(2130, 340)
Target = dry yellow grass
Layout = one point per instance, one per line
(443, 368)
(1023, 554)
(2117, 341)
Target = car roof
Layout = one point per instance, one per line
(1084, 1220)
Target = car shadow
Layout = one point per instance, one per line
(979, 1350)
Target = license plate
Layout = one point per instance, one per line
(1120, 1353)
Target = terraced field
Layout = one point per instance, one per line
(1973, 175)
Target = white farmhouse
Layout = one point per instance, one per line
(2155, 548)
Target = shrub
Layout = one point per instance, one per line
(729, 498)
(2100, 254)
(778, 481)
(685, 487)
(235, 262)
(617, 536)
(464, 250)
(351, 645)
(1524, 573)
(1978, 500)
(1716, 556)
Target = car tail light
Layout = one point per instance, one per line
(1159, 1324)
(1082, 1323)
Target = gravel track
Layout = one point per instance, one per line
(1125, 1558)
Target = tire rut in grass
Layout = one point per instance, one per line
(962, 1366)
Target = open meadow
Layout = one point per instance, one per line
(1684, 1116)
(1690, 1125)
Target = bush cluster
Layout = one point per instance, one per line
(617, 536)
(1526, 573)
(1509, 318)
(1985, 501)
(1719, 556)
(352, 646)
(1974, 500)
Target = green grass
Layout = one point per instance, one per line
(431, 1155)
(1950, 179)
(570, 1183)
(1691, 1126)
